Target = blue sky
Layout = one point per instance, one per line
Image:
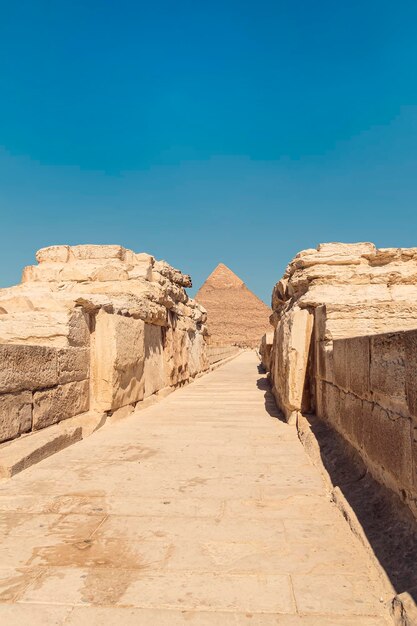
(239, 132)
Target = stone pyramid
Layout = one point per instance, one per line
(235, 315)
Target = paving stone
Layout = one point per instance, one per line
(201, 509)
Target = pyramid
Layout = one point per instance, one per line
(235, 315)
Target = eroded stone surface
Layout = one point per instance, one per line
(95, 328)
(352, 290)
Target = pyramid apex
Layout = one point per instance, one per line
(222, 277)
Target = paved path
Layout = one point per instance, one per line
(201, 510)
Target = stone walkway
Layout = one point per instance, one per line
(203, 509)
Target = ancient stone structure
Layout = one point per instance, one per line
(265, 350)
(94, 329)
(236, 315)
(340, 351)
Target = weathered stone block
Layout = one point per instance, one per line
(117, 361)
(90, 251)
(15, 414)
(387, 443)
(110, 272)
(195, 346)
(388, 374)
(324, 360)
(410, 348)
(141, 270)
(351, 419)
(94, 270)
(154, 368)
(47, 328)
(46, 273)
(79, 329)
(320, 398)
(320, 317)
(328, 402)
(54, 405)
(340, 367)
(53, 254)
(176, 357)
(300, 331)
(73, 364)
(265, 350)
(27, 367)
(357, 365)
(414, 461)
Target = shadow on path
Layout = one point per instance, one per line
(270, 405)
(387, 522)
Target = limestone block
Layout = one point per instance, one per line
(172, 274)
(388, 374)
(73, 364)
(414, 463)
(27, 367)
(324, 361)
(320, 399)
(351, 421)
(53, 254)
(143, 257)
(138, 258)
(328, 403)
(94, 270)
(15, 304)
(79, 328)
(110, 297)
(291, 349)
(15, 414)
(350, 320)
(340, 365)
(111, 271)
(387, 443)
(323, 352)
(117, 361)
(59, 403)
(199, 312)
(265, 350)
(410, 347)
(333, 399)
(46, 272)
(154, 368)
(197, 357)
(357, 363)
(143, 270)
(347, 248)
(404, 293)
(176, 356)
(88, 251)
(48, 328)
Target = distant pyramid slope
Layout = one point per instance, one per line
(235, 314)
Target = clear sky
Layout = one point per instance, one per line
(233, 131)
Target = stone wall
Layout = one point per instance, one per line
(219, 353)
(369, 395)
(94, 328)
(334, 292)
(265, 350)
(40, 386)
(345, 348)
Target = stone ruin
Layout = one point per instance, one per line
(91, 331)
(345, 349)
